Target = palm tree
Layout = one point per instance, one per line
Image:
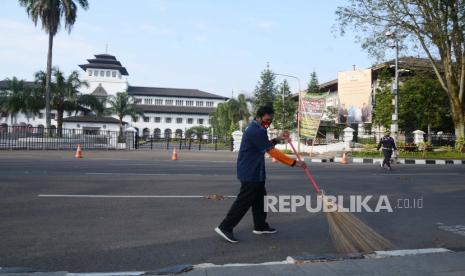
(198, 131)
(65, 95)
(123, 105)
(17, 98)
(243, 108)
(49, 12)
(226, 116)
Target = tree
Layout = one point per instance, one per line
(436, 26)
(284, 108)
(243, 108)
(50, 14)
(313, 86)
(123, 105)
(383, 100)
(17, 98)
(65, 94)
(423, 104)
(265, 91)
(331, 113)
(225, 118)
(197, 131)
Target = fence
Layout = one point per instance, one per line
(39, 138)
(406, 140)
(212, 143)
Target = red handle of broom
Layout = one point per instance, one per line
(307, 172)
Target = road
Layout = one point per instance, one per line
(122, 224)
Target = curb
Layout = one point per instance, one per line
(361, 160)
(181, 269)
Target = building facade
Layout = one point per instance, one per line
(168, 112)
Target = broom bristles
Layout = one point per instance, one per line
(351, 235)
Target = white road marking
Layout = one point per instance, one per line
(436, 174)
(130, 196)
(456, 229)
(155, 174)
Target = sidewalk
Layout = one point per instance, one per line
(440, 264)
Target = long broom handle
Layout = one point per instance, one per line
(307, 172)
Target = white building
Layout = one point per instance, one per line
(167, 111)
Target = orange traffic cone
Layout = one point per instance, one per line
(174, 156)
(344, 158)
(78, 152)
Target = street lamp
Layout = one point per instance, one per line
(395, 89)
(298, 109)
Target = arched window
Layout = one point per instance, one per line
(53, 129)
(40, 129)
(178, 133)
(4, 128)
(157, 133)
(167, 133)
(145, 133)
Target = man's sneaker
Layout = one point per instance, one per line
(229, 236)
(267, 230)
(381, 165)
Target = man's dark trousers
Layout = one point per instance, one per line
(387, 157)
(251, 195)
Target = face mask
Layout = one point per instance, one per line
(266, 125)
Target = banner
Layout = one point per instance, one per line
(354, 90)
(311, 111)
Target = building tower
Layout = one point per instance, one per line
(105, 72)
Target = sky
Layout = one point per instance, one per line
(216, 46)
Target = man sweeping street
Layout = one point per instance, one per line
(388, 146)
(251, 174)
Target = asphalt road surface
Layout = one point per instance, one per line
(109, 212)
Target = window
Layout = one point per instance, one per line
(108, 73)
(102, 73)
(159, 101)
(147, 101)
(146, 119)
(41, 115)
(209, 104)
(200, 121)
(179, 102)
(136, 119)
(178, 120)
(189, 103)
(199, 103)
(157, 119)
(168, 102)
(52, 115)
(168, 120)
(90, 72)
(113, 74)
(190, 121)
(69, 113)
(138, 101)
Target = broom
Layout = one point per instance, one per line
(349, 234)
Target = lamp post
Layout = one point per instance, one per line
(298, 109)
(395, 115)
